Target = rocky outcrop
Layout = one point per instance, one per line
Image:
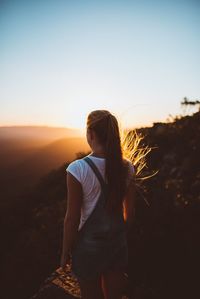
(60, 284)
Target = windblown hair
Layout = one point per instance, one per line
(105, 125)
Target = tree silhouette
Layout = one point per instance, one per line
(187, 103)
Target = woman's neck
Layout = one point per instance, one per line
(98, 154)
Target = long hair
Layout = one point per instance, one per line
(105, 125)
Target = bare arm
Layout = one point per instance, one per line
(72, 217)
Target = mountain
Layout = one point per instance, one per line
(28, 153)
(34, 164)
(42, 134)
(17, 143)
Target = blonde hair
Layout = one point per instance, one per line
(136, 153)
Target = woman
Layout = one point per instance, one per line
(95, 234)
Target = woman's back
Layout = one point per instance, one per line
(90, 184)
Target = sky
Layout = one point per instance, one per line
(59, 60)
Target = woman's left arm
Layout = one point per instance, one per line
(72, 217)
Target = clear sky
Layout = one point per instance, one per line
(59, 60)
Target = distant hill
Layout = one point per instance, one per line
(29, 152)
(52, 156)
(40, 134)
(21, 168)
(20, 143)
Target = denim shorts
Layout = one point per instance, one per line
(88, 262)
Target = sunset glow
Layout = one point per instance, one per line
(62, 59)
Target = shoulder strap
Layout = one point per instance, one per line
(97, 173)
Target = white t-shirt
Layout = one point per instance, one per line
(90, 184)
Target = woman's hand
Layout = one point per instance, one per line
(65, 259)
